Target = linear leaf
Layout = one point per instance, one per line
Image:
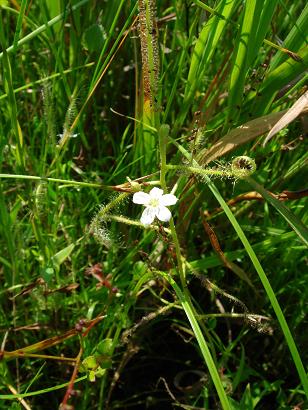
(239, 136)
(243, 53)
(295, 223)
(262, 275)
(295, 40)
(280, 77)
(297, 108)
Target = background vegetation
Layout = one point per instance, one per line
(97, 311)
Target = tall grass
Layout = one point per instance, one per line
(100, 100)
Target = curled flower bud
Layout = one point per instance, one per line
(243, 166)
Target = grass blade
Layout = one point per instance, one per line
(42, 28)
(295, 40)
(19, 23)
(265, 282)
(201, 341)
(244, 52)
(278, 78)
(292, 220)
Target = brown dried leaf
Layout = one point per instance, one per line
(297, 108)
(239, 136)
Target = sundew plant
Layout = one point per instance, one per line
(152, 204)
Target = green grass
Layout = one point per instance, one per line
(98, 311)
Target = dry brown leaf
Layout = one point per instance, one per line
(297, 108)
(239, 136)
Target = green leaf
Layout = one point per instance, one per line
(99, 372)
(204, 49)
(92, 376)
(295, 223)
(262, 275)
(296, 39)
(48, 274)
(244, 53)
(247, 399)
(105, 347)
(89, 362)
(62, 255)
(279, 78)
(94, 38)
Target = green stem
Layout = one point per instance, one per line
(61, 181)
(265, 282)
(202, 171)
(42, 28)
(104, 211)
(46, 79)
(184, 296)
(187, 306)
(127, 221)
(163, 138)
(38, 392)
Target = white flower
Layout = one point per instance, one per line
(155, 205)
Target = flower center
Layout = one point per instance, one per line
(154, 202)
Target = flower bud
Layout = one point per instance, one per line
(243, 166)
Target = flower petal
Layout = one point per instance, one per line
(168, 200)
(148, 216)
(156, 193)
(163, 213)
(141, 198)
